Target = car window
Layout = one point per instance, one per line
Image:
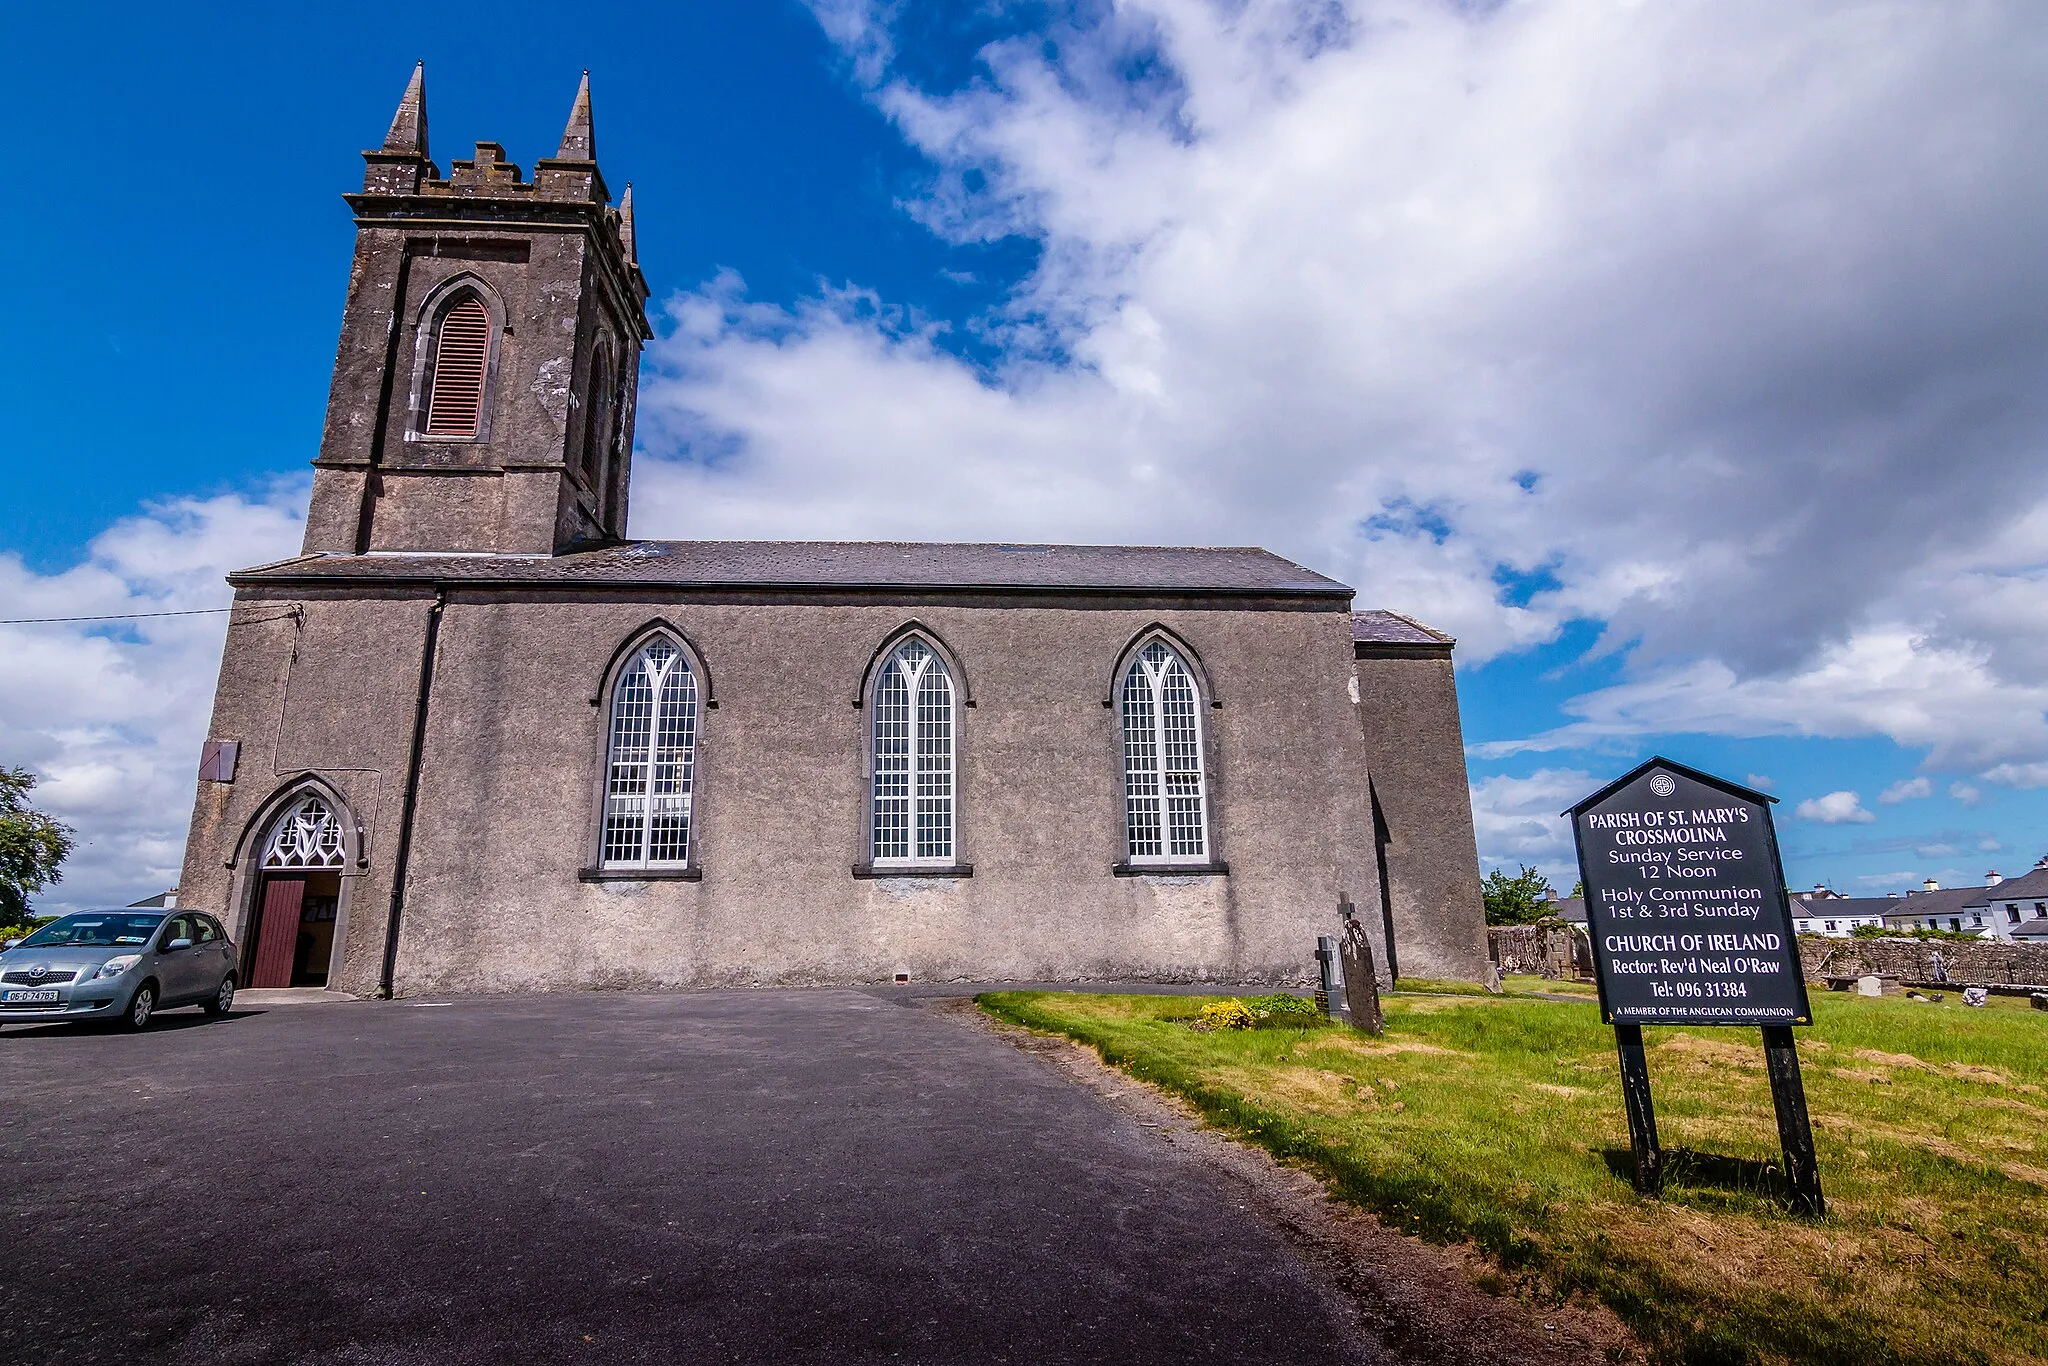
(208, 931)
(178, 927)
(95, 929)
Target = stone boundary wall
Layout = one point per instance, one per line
(1984, 963)
(1548, 949)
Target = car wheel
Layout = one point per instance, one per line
(223, 1000)
(140, 1007)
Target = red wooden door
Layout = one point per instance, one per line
(277, 933)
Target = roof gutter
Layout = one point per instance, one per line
(452, 583)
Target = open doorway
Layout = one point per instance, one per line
(297, 899)
(293, 929)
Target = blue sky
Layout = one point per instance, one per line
(1683, 363)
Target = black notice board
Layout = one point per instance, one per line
(1685, 902)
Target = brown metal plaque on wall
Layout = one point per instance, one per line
(217, 760)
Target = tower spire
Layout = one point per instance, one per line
(626, 225)
(409, 125)
(579, 143)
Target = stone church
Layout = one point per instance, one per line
(476, 738)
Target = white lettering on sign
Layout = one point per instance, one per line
(1684, 900)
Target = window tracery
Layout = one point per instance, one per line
(912, 736)
(650, 767)
(1165, 796)
(306, 836)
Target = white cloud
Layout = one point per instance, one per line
(2018, 775)
(1966, 793)
(1837, 808)
(1517, 821)
(1761, 782)
(110, 715)
(1906, 790)
(1717, 323)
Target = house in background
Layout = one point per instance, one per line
(2018, 907)
(1826, 912)
(1959, 910)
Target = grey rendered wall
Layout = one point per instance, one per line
(507, 812)
(313, 691)
(1415, 750)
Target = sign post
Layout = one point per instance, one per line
(1685, 903)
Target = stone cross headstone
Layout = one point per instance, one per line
(1361, 977)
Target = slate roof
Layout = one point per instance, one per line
(1572, 908)
(2031, 884)
(1946, 901)
(1391, 628)
(841, 564)
(1807, 906)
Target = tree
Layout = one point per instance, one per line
(32, 845)
(1517, 900)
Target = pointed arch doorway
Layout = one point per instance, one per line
(298, 897)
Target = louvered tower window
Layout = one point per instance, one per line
(462, 353)
(1165, 804)
(652, 765)
(913, 753)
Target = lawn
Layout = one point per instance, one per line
(1498, 1120)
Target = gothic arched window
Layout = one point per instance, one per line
(306, 836)
(460, 366)
(913, 758)
(652, 760)
(1165, 805)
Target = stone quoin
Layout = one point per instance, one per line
(488, 742)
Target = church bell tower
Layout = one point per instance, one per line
(490, 352)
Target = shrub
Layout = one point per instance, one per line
(1283, 1010)
(1278, 1011)
(1230, 1013)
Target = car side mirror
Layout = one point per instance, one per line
(181, 944)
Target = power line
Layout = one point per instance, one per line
(119, 616)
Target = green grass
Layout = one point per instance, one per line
(1498, 1120)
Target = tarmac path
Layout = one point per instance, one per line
(721, 1176)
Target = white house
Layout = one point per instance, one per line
(1825, 912)
(2017, 908)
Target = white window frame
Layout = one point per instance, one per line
(617, 798)
(921, 764)
(1154, 676)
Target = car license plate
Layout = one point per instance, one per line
(37, 997)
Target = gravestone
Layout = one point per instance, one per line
(1361, 977)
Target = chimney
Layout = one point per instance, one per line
(1992, 879)
(1930, 886)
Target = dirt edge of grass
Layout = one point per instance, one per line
(1674, 1324)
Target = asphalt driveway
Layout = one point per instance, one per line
(722, 1176)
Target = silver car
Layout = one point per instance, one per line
(121, 966)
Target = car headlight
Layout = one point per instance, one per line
(114, 967)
